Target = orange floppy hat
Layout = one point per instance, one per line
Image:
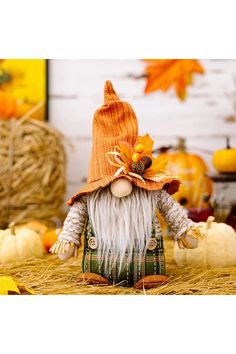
(113, 123)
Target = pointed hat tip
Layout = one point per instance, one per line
(109, 93)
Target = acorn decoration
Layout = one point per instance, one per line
(140, 163)
(137, 161)
(147, 161)
(138, 167)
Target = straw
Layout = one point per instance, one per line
(53, 276)
(32, 172)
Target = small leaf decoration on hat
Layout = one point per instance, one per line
(147, 143)
(126, 152)
(164, 73)
(9, 286)
(137, 161)
(159, 165)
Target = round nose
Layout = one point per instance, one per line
(121, 187)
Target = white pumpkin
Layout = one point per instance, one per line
(16, 245)
(217, 249)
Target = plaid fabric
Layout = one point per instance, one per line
(152, 262)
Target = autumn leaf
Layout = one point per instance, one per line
(126, 152)
(24, 289)
(159, 165)
(9, 286)
(164, 73)
(147, 143)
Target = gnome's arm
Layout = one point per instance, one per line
(184, 230)
(69, 238)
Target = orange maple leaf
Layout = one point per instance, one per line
(159, 165)
(126, 151)
(164, 73)
(147, 143)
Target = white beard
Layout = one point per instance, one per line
(121, 225)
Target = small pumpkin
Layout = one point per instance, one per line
(8, 105)
(217, 249)
(196, 188)
(47, 232)
(50, 237)
(35, 225)
(17, 245)
(225, 160)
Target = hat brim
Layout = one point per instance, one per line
(170, 184)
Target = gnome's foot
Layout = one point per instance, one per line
(92, 279)
(151, 281)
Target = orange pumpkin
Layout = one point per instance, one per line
(50, 237)
(8, 105)
(196, 188)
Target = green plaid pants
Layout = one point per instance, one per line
(152, 263)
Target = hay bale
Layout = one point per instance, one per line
(32, 174)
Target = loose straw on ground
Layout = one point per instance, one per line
(52, 276)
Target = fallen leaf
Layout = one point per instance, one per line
(9, 286)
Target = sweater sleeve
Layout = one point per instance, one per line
(75, 222)
(174, 214)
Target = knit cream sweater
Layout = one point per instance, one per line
(174, 214)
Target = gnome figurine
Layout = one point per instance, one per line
(116, 209)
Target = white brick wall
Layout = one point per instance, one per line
(76, 91)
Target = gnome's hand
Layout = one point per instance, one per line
(64, 250)
(190, 238)
(67, 254)
(188, 242)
